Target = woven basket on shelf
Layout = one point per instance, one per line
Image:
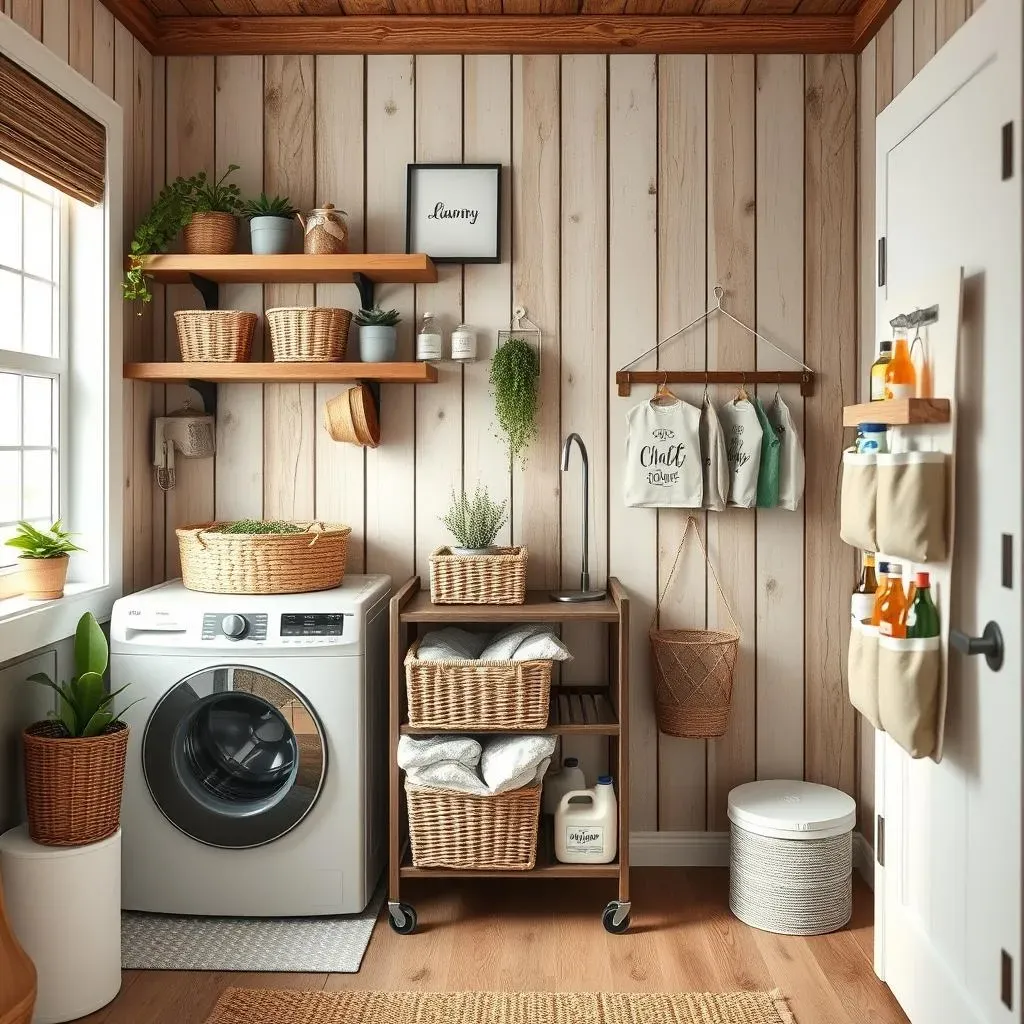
(473, 833)
(214, 335)
(472, 695)
(498, 578)
(73, 786)
(693, 668)
(211, 234)
(268, 563)
(308, 334)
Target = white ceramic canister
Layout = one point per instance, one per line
(464, 344)
(557, 784)
(587, 825)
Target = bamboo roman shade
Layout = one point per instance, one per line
(46, 136)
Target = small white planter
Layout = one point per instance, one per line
(271, 235)
(469, 552)
(377, 344)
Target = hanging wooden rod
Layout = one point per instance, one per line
(625, 379)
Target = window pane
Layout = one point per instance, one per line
(8, 556)
(38, 411)
(38, 485)
(38, 238)
(37, 332)
(10, 310)
(10, 411)
(10, 227)
(11, 174)
(10, 486)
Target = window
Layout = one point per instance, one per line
(33, 351)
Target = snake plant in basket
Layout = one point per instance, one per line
(74, 760)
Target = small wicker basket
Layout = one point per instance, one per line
(73, 785)
(211, 234)
(498, 578)
(473, 833)
(470, 695)
(215, 335)
(308, 334)
(267, 563)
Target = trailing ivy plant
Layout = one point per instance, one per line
(515, 376)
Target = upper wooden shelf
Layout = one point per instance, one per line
(293, 268)
(538, 608)
(283, 373)
(898, 412)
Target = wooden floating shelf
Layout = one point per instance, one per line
(293, 268)
(538, 608)
(282, 373)
(898, 412)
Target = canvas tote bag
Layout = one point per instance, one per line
(768, 471)
(716, 458)
(743, 444)
(791, 455)
(663, 464)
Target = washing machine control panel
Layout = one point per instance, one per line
(234, 626)
(312, 624)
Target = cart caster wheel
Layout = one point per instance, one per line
(616, 917)
(402, 918)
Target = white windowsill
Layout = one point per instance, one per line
(27, 625)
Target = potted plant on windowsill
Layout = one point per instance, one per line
(378, 339)
(44, 559)
(74, 761)
(271, 224)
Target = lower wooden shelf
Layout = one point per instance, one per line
(547, 867)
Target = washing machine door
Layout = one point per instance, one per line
(234, 757)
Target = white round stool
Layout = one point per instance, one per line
(791, 857)
(64, 905)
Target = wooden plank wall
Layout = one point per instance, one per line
(906, 42)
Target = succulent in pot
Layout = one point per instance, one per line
(44, 559)
(271, 224)
(378, 340)
(474, 521)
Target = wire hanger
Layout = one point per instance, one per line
(664, 393)
(741, 392)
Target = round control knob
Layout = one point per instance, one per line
(234, 627)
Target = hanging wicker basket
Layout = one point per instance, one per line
(693, 668)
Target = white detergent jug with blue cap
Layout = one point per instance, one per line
(587, 825)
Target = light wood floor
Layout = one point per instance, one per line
(520, 935)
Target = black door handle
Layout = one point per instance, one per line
(990, 643)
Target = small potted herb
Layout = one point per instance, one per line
(515, 377)
(43, 560)
(474, 521)
(378, 339)
(271, 224)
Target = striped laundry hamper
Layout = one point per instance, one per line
(791, 857)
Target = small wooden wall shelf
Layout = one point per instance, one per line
(293, 268)
(282, 373)
(898, 412)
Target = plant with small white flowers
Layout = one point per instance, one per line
(474, 520)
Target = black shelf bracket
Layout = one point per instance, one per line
(374, 386)
(208, 393)
(210, 291)
(365, 286)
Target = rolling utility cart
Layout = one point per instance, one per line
(574, 711)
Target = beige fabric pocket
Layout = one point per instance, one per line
(912, 499)
(857, 500)
(862, 671)
(909, 692)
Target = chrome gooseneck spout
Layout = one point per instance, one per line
(584, 593)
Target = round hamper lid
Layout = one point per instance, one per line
(792, 810)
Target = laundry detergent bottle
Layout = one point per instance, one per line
(557, 784)
(587, 825)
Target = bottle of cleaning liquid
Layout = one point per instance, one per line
(923, 616)
(900, 375)
(892, 609)
(862, 603)
(883, 583)
(877, 380)
(557, 784)
(429, 342)
(587, 825)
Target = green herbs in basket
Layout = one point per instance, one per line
(475, 521)
(257, 527)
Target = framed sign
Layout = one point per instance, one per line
(453, 212)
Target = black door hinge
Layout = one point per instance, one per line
(1006, 980)
(881, 262)
(880, 841)
(1007, 151)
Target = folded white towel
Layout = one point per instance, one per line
(526, 642)
(423, 751)
(452, 644)
(510, 762)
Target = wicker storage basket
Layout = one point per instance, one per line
(308, 334)
(275, 563)
(214, 335)
(211, 234)
(499, 578)
(693, 668)
(73, 786)
(473, 833)
(468, 695)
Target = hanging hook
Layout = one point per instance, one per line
(719, 293)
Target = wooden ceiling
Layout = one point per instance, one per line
(176, 27)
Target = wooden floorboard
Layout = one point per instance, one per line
(476, 935)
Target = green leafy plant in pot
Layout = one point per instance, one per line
(474, 521)
(74, 760)
(515, 378)
(378, 339)
(271, 224)
(44, 559)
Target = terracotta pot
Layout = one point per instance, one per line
(43, 579)
(211, 234)
(17, 976)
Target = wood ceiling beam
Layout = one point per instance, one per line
(506, 34)
(138, 19)
(868, 19)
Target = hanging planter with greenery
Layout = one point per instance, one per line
(515, 378)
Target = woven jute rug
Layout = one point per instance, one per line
(281, 1006)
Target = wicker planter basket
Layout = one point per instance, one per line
(214, 335)
(308, 334)
(211, 234)
(276, 563)
(473, 833)
(499, 578)
(469, 695)
(73, 786)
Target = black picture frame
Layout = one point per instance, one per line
(413, 240)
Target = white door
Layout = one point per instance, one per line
(948, 899)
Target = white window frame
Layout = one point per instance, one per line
(91, 410)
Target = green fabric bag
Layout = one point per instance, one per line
(768, 472)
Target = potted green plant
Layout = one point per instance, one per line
(271, 224)
(474, 521)
(515, 378)
(43, 560)
(378, 339)
(74, 760)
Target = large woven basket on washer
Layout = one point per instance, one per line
(791, 857)
(497, 578)
(693, 668)
(470, 695)
(214, 335)
(267, 563)
(473, 833)
(308, 334)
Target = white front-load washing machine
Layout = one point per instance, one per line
(256, 781)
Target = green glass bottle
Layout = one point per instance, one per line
(923, 617)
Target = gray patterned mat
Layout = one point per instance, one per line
(162, 942)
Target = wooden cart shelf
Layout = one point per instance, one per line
(538, 608)
(898, 412)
